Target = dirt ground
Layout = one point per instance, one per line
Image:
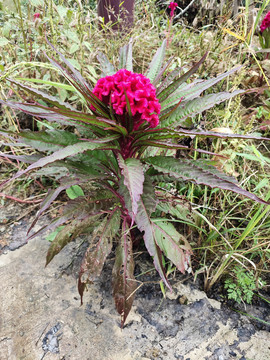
(41, 316)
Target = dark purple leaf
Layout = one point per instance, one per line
(100, 247)
(42, 95)
(124, 283)
(213, 134)
(70, 150)
(68, 234)
(65, 183)
(199, 172)
(133, 173)
(146, 206)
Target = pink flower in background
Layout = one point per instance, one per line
(265, 23)
(140, 92)
(36, 16)
(172, 7)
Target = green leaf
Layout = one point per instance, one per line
(124, 283)
(199, 172)
(125, 57)
(62, 11)
(47, 82)
(133, 173)
(66, 117)
(66, 235)
(65, 183)
(74, 191)
(196, 106)
(214, 134)
(70, 150)
(50, 140)
(80, 208)
(173, 244)
(156, 63)
(100, 247)
(175, 85)
(52, 235)
(37, 2)
(3, 41)
(106, 67)
(194, 90)
(178, 208)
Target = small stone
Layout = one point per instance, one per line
(21, 333)
(183, 300)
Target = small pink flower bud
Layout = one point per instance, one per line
(172, 7)
(36, 16)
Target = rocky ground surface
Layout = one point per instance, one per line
(41, 316)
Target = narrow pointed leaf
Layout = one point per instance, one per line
(70, 150)
(199, 172)
(175, 85)
(196, 106)
(106, 67)
(74, 118)
(214, 134)
(124, 284)
(51, 140)
(195, 89)
(80, 209)
(156, 63)
(66, 235)
(170, 145)
(125, 57)
(65, 183)
(79, 84)
(132, 171)
(42, 95)
(100, 247)
(162, 71)
(75, 73)
(146, 206)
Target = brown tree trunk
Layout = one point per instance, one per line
(111, 9)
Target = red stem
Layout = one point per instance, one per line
(19, 200)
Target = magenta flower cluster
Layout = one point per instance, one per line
(139, 91)
(172, 7)
(265, 23)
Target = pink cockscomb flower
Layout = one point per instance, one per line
(172, 7)
(36, 16)
(265, 23)
(140, 92)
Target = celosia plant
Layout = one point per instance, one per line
(118, 148)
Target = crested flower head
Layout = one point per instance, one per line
(141, 95)
(265, 23)
(172, 7)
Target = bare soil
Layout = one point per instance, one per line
(41, 316)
